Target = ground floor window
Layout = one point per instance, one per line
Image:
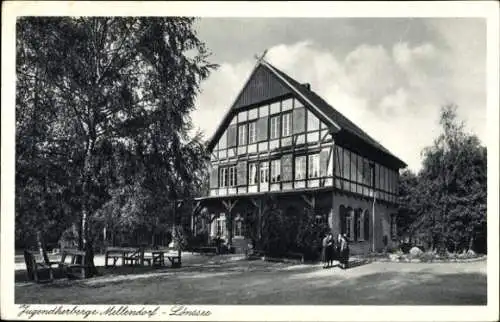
(358, 227)
(220, 225)
(394, 227)
(239, 226)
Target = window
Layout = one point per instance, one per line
(223, 177)
(394, 231)
(300, 168)
(242, 134)
(239, 226)
(242, 116)
(346, 164)
(320, 220)
(287, 104)
(264, 172)
(253, 114)
(358, 227)
(275, 108)
(221, 225)
(275, 127)
(252, 133)
(263, 110)
(252, 174)
(313, 166)
(232, 176)
(275, 171)
(348, 223)
(286, 124)
(312, 122)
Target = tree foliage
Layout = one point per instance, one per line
(102, 124)
(445, 204)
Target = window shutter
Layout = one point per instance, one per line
(241, 171)
(231, 136)
(286, 168)
(214, 177)
(299, 120)
(323, 162)
(262, 129)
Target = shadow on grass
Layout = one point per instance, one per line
(263, 283)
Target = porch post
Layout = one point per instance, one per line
(229, 205)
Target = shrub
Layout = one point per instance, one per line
(427, 257)
(405, 247)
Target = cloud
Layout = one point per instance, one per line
(394, 93)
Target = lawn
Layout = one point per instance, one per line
(218, 280)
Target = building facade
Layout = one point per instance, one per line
(282, 147)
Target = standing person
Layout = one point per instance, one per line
(331, 250)
(324, 250)
(344, 251)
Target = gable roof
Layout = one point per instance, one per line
(334, 118)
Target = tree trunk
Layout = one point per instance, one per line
(83, 238)
(471, 241)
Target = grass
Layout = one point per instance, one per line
(216, 281)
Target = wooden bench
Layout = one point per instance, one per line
(34, 268)
(158, 257)
(77, 266)
(126, 254)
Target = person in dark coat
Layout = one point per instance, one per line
(331, 250)
(344, 251)
(326, 244)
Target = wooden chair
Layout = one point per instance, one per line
(34, 268)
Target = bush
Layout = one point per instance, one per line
(200, 239)
(405, 247)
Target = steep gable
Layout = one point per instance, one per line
(267, 82)
(261, 86)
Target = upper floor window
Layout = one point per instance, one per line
(314, 165)
(252, 132)
(232, 176)
(264, 172)
(312, 122)
(252, 174)
(253, 113)
(223, 177)
(242, 134)
(275, 127)
(227, 176)
(275, 171)
(286, 128)
(300, 167)
(287, 104)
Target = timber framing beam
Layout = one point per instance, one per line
(229, 204)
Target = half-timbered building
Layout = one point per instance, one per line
(280, 146)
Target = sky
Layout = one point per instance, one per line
(390, 76)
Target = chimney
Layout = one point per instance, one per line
(307, 85)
